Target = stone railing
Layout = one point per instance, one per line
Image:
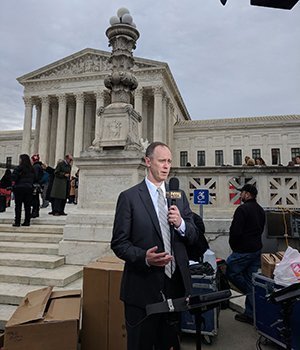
(277, 186)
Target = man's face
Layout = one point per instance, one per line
(245, 196)
(297, 160)
(69, 159)
(159, 164)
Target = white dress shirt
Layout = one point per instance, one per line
(154, 196)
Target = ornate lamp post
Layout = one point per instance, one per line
(118, 125)
(122, 37)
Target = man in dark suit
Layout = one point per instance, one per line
(156, 261)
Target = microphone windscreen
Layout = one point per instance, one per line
(173, 184)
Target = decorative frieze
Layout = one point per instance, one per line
(90, 63)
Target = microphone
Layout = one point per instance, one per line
(173, 194)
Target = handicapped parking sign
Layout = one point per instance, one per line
(201, 196)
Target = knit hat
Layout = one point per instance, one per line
(249, 188)
(35, 158)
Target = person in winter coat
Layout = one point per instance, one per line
(60, 187)
(5, 186)
(39, 172)
(245, 240)
(23, 178)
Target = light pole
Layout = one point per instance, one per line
(279, 4)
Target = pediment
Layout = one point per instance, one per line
(85, 62)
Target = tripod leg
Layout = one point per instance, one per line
(198, 321)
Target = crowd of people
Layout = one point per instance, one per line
(32, 181)
(260, 162)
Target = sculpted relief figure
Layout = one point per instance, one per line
(87, 63)
(114, 129)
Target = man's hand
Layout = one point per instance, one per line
(157, 259)
(67, 175)
(174, 216)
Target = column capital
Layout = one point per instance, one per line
(62, 98)
(138, 92)
(27, 101)
(79, 97)
(158, 90)
(100, 94)
(45, 99)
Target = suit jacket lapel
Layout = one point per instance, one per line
(147, 201)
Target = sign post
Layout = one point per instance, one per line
(201, 197)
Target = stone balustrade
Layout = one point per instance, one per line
(277, 186)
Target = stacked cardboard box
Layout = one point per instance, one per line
(45, 320)
(269, 261)
(103, 324)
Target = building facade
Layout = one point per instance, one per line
(61, 102)
(63, 97)
(227, 141)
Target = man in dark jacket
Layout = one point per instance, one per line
(245, 241)
(156, 266)
(59, 191)
(38, 175)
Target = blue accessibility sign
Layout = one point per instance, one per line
(201, 196)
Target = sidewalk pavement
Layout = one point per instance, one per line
(232, 335)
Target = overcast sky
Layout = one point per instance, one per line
(232, 61)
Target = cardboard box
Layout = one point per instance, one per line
(111, 259)
(103, 323)
(269, 261)
(45, 320)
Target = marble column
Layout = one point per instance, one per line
(169, 125)
(171, 122)
(157, 118)
(79, 119)
(70, 128)
(145, 119)
(138, 106)
(61, 128)
(88, 124)
(37, 128)
(164, 119)
(26, 141)
(44, 136)
(53, 131)
(100, 95)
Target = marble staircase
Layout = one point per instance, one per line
(29, 260)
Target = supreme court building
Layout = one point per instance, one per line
(66, 94)
(60, 116)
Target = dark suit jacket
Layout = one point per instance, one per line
(136, 229)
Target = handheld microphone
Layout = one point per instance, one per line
(173, 194)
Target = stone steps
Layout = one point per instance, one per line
(29, 248)
(60, 276)
(13, 293)
(31, 260)
(7, 218)
(31, 229)
(30, 237)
